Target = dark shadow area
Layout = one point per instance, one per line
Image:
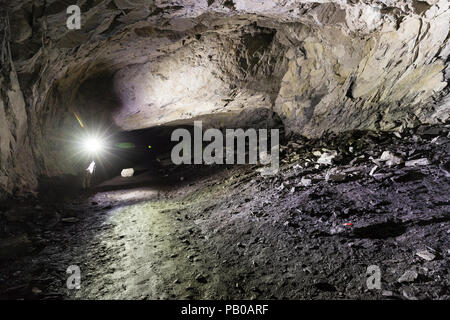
(384, 230)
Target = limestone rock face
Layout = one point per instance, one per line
(321, 65)
(16, 162)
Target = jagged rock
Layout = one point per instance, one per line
(317, 153)
(305, 182)
(418, 162)
(408, 276)
(126, 173)
(69, 220)
(409, 294)
(337, 230)
(387, 293)
(390, 158)
(426, 255)
(430, 132)
(372, 171)
(335, 176)
(327, 158)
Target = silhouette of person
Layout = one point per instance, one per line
(88, 174)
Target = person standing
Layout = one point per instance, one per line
(87, 175)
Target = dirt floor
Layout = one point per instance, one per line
(199, 232)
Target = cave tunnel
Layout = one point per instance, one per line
(223, 150)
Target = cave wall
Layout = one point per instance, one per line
(388, 81)
(17, 168)
(216, 73)
(322, 66)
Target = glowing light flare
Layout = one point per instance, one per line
(93, 145)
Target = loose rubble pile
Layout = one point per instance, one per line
(350, 155)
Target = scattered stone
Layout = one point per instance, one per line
(307, 270)
(267, 172)
(416, 138)
(408, 276)
(426, 255)
(334, 176)
(387, 293)
(305, 182)
(36, 290)
(390, 159)
(386, 155)
(418, 162)
(327, 158)
(336, 230)
(126, 173)
(69, 220)
(435, 140)
(408, 294)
